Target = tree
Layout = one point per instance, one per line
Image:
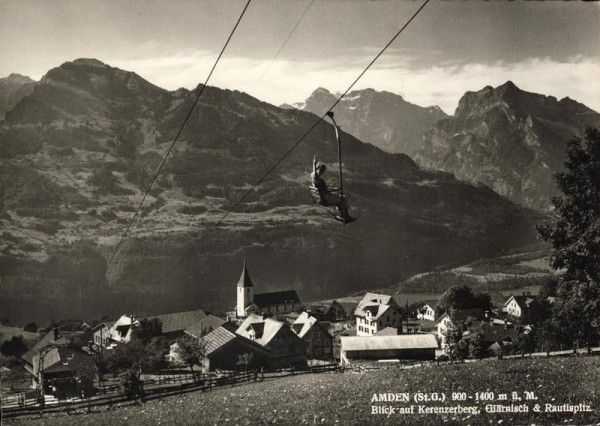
(575, 238)
(147, 329)
(462, 297)
(31, 327)
(14, 347)
(190, 350)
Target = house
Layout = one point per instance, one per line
(375, 312)
(226, 350)
(522, 306)
(52, 338)
(322, 312)
(404, 346)
(314, 333)
(273, 303)
(121, 330)
(173, 326)
(101, 333)
(286, 348)
(462, 318)
(65, 371)
(427, 311)
(60, 366)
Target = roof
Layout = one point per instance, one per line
(64, 359)
(179, 321)
(220, 337)
(376, 303)
(321, 309)
(217, 338)
(303, 324)
(523, 300)
(269, 328)
(44, 341)
(204, 326)
(245, 280)
(388, 331)
(276, 298)
(401, 341)
(464, 315)
(105, 324)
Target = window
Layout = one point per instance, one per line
(247, 290)
(318, 342)
(327, 350)
(387, 318)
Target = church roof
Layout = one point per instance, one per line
(286, 297)
(245, 280)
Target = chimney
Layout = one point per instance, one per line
(56, 335)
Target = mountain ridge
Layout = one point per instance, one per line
(508, 139)
(79, 153)
(381, 118)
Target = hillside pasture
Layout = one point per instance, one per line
(333, 398)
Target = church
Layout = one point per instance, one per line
(274, 303)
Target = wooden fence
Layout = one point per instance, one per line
(154, 388)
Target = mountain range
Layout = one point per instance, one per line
(509, 139)
(78, 152)
(506, 138)
(382, 119)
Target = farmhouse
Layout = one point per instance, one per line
(319, 341)
(522, 306)
(404, 346)
(173, 326)
(375, 312)
(273, 303)
(462, 318)
(225, 350)
(427, 311)
(58, 365)
(101, 333)
(286, 348)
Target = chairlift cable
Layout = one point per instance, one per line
(293, 147)
(283, 45)
(200, 92)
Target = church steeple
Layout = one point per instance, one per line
(245, 292)
(245, 280)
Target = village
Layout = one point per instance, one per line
(264, 333)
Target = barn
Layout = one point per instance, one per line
(403, 346)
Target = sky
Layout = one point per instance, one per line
(450, 48)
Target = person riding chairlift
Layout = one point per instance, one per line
(328, 195)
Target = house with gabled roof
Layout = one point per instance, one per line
(59, 364)
(272, 303)
(522, 306)
(286, 348)
(462, 318)
(375, 312)
(313, 332)
(101, 333)
(226, 350)
(427, 311)
(173, 325)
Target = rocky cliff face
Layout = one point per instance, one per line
(12, 89)
(382, 119)
(511, 140)
(80, 150)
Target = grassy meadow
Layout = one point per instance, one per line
(333, 398)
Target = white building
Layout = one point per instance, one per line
(376, 312)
